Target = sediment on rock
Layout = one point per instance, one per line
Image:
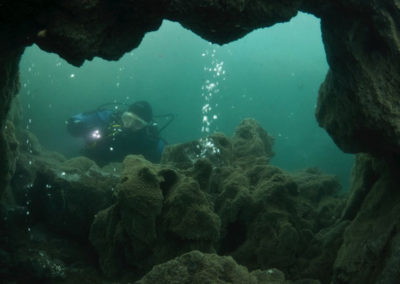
(199, 267)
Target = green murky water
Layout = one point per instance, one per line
(272, 75)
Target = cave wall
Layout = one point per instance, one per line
(9, 86)
(358, 102)
(370, 249)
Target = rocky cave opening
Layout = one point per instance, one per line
(272, 75)
(296, 222)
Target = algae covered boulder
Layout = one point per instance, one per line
(140, 199)
(63, 195)
(158, 215)
(188, 219)
(270, 217)
(197, 267)
(250, 142)
(124, 234)
(217, 148)
(66, 198)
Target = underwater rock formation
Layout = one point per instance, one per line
(268, 219)
(358, 105)
(358, 102)
(250, 142)
(264, 217)
(62, 194)
(9, 87)
(262, 207)
(197, 267)
(370, 251)
(225, 21)
(214, 201)
(66, 199)
(44, 228)
(8, 162)
(158, 215)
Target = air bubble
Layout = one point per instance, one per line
(210, 88)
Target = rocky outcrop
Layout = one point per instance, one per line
(8, 162)
(9, 86)
(269, 218)
(225, 21)
(270, 221)
(215, 195)
(79, 30)
(250, 143)
(44, 231)
(63, 195)
(369, 253)
(197, 267)
(66, 198)
(358, 102)
(159, 214)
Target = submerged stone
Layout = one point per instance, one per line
(197, 267)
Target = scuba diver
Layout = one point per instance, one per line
(111, 134)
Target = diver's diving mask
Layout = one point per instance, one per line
(132, 121)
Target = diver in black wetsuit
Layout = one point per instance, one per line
(110, 135)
